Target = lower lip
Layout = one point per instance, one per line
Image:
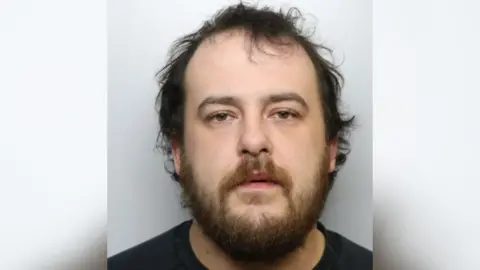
(259, 185)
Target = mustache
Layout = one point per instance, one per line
(264, 165)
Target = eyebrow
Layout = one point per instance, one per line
(270, 99)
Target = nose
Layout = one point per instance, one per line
(254, 139)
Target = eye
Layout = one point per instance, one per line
(219, 117)
(285, 114)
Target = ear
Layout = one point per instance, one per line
(176, 154)
(332, 148)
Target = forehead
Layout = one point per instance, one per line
(230, 64)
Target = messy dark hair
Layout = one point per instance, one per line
(259, 23)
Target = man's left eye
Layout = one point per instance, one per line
(285, 114)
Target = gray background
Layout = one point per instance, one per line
(142, 200)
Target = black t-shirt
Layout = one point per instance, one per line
(172, 251)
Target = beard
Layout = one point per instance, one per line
(267, 238)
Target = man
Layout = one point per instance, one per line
(249, 116)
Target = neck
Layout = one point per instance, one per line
(212, 257)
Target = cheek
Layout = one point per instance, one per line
(301, 157)
(211, 158)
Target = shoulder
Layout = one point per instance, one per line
(156, 253)
(350, 255)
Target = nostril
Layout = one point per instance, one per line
(254, 153)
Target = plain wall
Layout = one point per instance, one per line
(142, 200)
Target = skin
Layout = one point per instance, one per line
(261, 106)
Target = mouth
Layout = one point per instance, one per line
(259, 184)
(260, 180)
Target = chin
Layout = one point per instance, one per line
(258, 213)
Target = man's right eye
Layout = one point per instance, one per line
(219, 117)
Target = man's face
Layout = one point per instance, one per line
(254, 160)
